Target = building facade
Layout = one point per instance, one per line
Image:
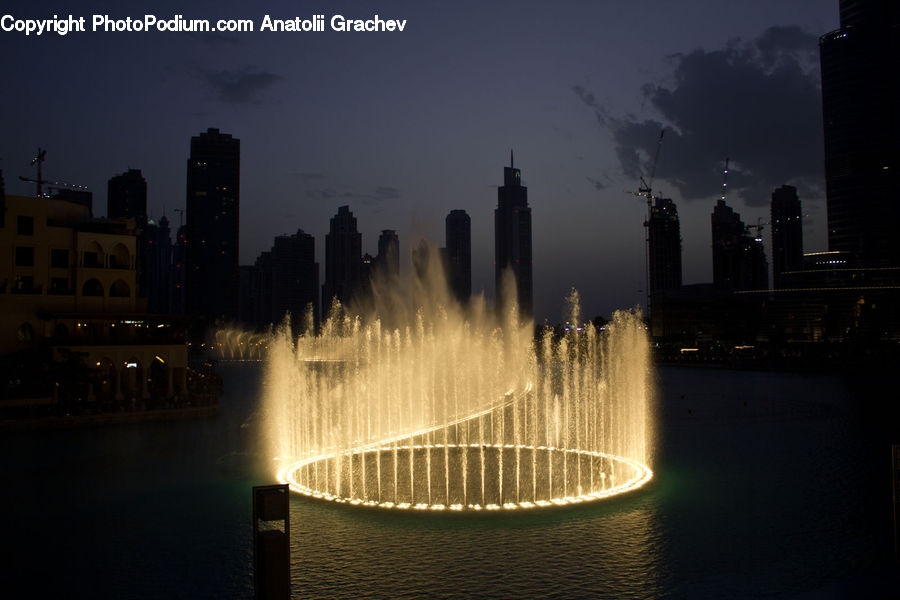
(787, 235)
(665, 247)
(343, 260)
(739, 259)
(458, 238)
(68, 290)
(126, 197)
(212, 229)
(512, 242)
(861, 116)
(388, 260)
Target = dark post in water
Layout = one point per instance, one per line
(271, 546)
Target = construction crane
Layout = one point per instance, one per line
(757, 229)
(38, 161)
(645, 190)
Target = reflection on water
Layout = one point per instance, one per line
(768, 485)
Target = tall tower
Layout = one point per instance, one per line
(126, 197)
(787, 234)
(343, 260)
(458, 238)
(212, 229)
(665, 247)
(512, 240)
(156, 269)
(295, 278)
(861, 117)
(388, 259)
(739, 260)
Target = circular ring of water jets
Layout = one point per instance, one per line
(434, 469)
(454, 414)
(414, 476)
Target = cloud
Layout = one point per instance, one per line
(240, 86)
(756, 102)
(589, 100)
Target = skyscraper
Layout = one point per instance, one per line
(155, 267)
(179, 271)
(787, 234)
(512, 240)
(665, 247)
(388, 259)
(212, 229)
(739, 259)
(458, 238)
(861, 116)
(343, 260)
(126, 197)
(294, 279)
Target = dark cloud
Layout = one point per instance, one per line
(589, 99)
(757, 102)
(240, 86)
(597, 184)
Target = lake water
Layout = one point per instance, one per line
(767, 486)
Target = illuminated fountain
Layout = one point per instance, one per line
(452, 411)
(239, 345)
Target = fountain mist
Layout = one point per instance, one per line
(451, 410)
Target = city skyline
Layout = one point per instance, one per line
(432, 126)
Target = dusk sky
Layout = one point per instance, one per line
(406, 126)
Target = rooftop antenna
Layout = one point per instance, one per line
(511, 163)
(725, 180)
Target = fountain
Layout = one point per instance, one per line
(238, 345)
(449, 411)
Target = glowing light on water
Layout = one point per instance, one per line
(450, 411)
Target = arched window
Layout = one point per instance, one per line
(25, 333)
(93, 256)
(119, 258)
(119, 289)
(92, 287)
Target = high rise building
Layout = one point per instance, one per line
(665, 247)
(861, 115)
(512, 240)
(179, 271)
(388, 259)
(739, 259)
(787, 234)
(80, 196)
(295, 276)
(155, 268)
(212, 229)
(458, 238)
(126, 197)
(343, 260)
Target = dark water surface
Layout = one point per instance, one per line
(767, 486)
